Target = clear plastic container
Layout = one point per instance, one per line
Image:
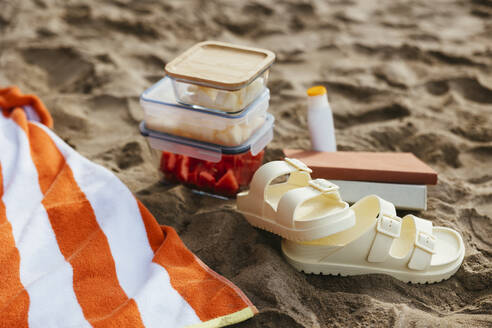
(229, 101)
(208, 167)
(220, 75)
(163, 113)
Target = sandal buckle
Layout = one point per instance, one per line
(298, 164)
(389, 225)
(323, 185)
(425, 241)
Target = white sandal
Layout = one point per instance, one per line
(299, 209)
(409, 249)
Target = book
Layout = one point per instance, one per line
(391, 167)
(403, 196)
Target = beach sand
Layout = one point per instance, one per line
(412, 76)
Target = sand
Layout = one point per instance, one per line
(401, 76)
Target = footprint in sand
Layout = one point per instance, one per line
(470, 88)
(148, 62)
(379, 114)
(476, 128)
(82, 17)
(433, 148)
(129, 155)
(357, 93)
(482, 153)
(67, 69)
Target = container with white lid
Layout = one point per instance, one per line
(163, 113)
(206, 166)
(220, 75)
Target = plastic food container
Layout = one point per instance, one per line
(164, 114)
(205, 166)
(220, 75)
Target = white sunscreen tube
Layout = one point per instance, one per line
(320, 120)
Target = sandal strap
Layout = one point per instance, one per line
(272, 170)
(293, 199)
(425, 244)
(388, 227)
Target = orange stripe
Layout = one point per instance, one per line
(124, 316)
(45, 156)
(14, 300)
(16, 312)
(81, 240)
(208, 295)
(18, 115)
(11, 98)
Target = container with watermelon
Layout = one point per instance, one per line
(226, 177)
(209, 167)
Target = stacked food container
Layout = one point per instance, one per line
(206, 121)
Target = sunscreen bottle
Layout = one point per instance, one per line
(320, 120)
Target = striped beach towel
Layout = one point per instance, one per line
(77, 249)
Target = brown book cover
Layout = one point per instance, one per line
(366, 166)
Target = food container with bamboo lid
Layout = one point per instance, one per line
(220, 75)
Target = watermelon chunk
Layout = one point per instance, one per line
(170, 162)
(193, 162)
(226, 163)
(193, 175)
(227, 184)
(182, 168)
(162, 165)
(206, 180)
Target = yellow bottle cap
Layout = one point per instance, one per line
(316, 91)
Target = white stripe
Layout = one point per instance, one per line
(155, 305)
(118, 215)
(31, 114)
(44, 272)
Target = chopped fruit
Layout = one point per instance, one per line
(193, 163)
(193, 175)
(182, 168)
(162, 165)
(206, 180)
(245, 170)
(225, 177)
(227, 184)
(170, 161)
(226, 163)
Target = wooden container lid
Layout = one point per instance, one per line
(220, 65)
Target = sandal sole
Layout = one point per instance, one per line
(345, 270)
(343, 223)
